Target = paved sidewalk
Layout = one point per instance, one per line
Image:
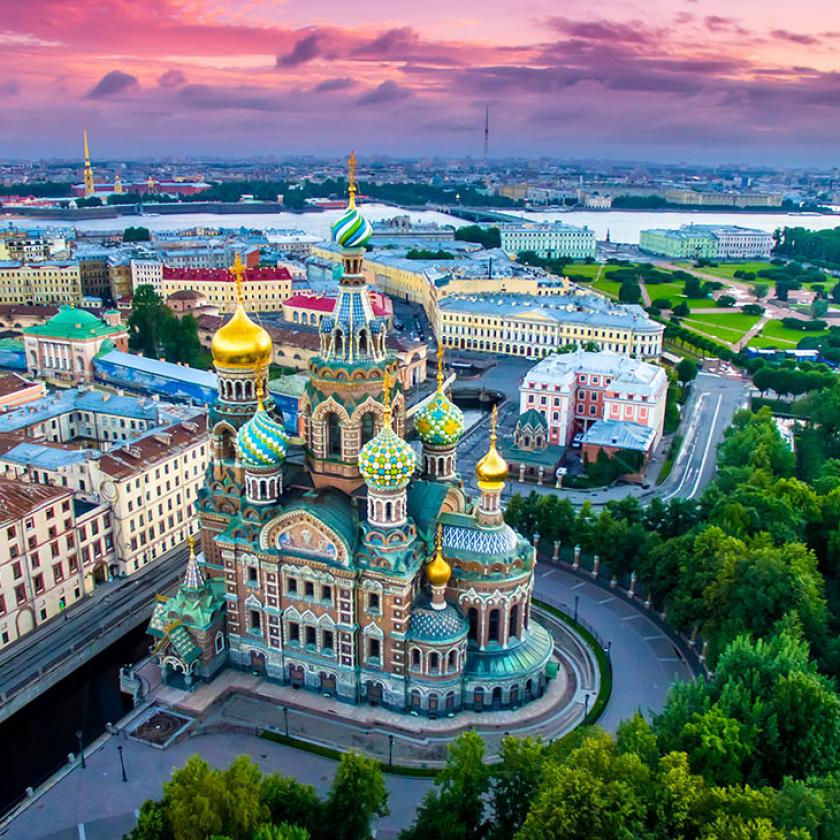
(99, 796)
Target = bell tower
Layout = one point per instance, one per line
(90, 189)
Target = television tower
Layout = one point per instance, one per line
(486, 130)
(90, 189)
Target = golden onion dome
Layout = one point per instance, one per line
(492, 470)
(438, 571)
(241, 343)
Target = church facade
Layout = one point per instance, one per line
(353, 567)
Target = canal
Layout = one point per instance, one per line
(38, 738)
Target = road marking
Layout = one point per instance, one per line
(607, 600)
(578, 585)
(82, 832)
(549, 572)
(669, 659)
(652, 638)
(708, 446)
(631, 617)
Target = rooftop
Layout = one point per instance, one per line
(11, 383)
(222, 275)
(73, 323)
(46, 456)
(620, 434)
(18, 498)
(169, 370)
(623, 370)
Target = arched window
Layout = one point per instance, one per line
(333, 434)
(415, 658)
(434, 663)
(493, 626)
(513, 623)
(363, 341)
(368, 427)
(472, 617)
(389, 510)
(452, 662)
(338, 343)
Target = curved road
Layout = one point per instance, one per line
(644, 660)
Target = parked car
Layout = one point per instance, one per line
(577, 440)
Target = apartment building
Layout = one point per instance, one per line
(264, 289)
(47, 282)
(548, 240)
(52, 547)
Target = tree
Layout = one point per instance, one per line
(152, 823)
(358, 796)
(686, 371)
(283, 831)
(194, 799)
(289, 801)
(760, 290)
(488, 237)
(146, 322)
(681, 310)
(244, 809)
(136, 234)
(629, 292)
(819, 307)
(514, 781)
(454, 810)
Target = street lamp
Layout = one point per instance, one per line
(286, 719)
(577, 599)
(122, 763)
(585, 707)
(609, 650)
(81, 748)
(390, 750)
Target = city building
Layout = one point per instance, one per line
(265, 288)
(522, 325)
(713, 198)
(723, 242)
(354, 577)
(531, 455)
(49, 282)
(615, 438)
(63, 349)
(575, 390)
(119, 274)
(146, 271)
(151, 484)
(15, 390)
(548, 239)
(29, 245)
(51, 548)
(311, 308)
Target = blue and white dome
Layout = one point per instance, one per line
(262, 441)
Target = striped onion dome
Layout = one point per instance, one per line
(351, 229)
(262, 441)
(386, 461)
(440, 422)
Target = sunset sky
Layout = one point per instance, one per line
(695, 80)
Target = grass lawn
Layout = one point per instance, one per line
(674, 293)
(584, 269)
(726, 271)
(729, 326)
(607, 287)
(776, 334)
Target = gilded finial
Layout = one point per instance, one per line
(438, 571)
(238, 272)
(351, 178)
(191, 542)
(439, 540)
(260, 392)
(440, 366)
(494, 417)
(386, 397)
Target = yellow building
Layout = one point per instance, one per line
(264, 289)
(48, 282)
(522, 326)
(119, 275)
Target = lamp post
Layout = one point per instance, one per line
(390, 750)
(122, 763)
(585, 707)
(286, 719)
(609, 650)
(577, 600)
(81, 748)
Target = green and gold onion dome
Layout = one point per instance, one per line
(440, 422)
(262, 441)
(352, 229)
(387, 462)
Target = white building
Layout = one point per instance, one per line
(740, 243)
(548, 240)
(146, 272)
(573, 390)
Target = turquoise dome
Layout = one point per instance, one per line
(387, 462)
(440, 422)
(262, 441)
(351, 229)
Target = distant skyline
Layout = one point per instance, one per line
(704, 81)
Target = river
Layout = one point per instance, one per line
(38, 738)
(623, 225)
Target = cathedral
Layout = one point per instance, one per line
(351, 568)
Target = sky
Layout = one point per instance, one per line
(702, 81)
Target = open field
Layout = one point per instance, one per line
(726, 271)
(728, 326)
(775, 334)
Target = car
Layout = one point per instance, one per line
(577, 440)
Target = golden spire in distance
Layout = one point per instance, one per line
(90, 188)
(386, 398)
(351, 179)
(238, 272)
(260, 393)
(191, 542)
(440, 366)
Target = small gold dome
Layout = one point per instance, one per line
(492, 469)
(241, 343)
(438, 571)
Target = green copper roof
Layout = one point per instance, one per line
(430, 625)
(333, 509)
(183, 643)
(523, 658)
(73, 323)
(425, 499)
(533, 418)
